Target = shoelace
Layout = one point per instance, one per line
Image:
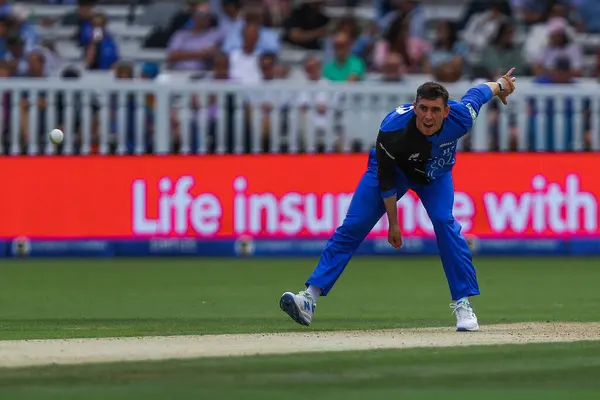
(462, 305)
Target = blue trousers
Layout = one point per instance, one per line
(366, 208)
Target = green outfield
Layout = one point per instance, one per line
(43, 299)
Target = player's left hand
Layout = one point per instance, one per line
(509, 85)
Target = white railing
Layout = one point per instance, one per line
(107, 116)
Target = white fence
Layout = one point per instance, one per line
(199, 117)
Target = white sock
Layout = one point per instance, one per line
(314, 291)
(465, 299)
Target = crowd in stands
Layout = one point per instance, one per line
(243, 42)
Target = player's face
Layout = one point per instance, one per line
(430, 115)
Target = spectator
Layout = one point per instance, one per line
(559, 46)
(244, 62)
(318, 101)
(538, 34)
(126, 133)
(82, 19)
(307, 26)
(448, 56)
(35, 69)
(361, 45)
(17, 56)
(268, 38)
(480, 30)
(23, 28)
(192, 49)
(102, 51)
(478, 6)
(5, 134)
(344, 66)
(561, 73)
(503, 54)
(589, 11)
(221, 73)
(184, 19)
(270, 103)
(414, 51)
(531, 11)
(409, 10)
(5, 7)
(4, 34)
(393, 69)
(229, 13)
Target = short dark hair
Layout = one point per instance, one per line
(432, 91)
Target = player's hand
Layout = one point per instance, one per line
(509, 85)
(394, 236)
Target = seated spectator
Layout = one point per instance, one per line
(344, 66)
(393, 69)
(361, 44)
(5, 7)
(244, 62)
(410, 10)
(560, 73)
(319, 102)
(229, 15)
(589, 11)
(477, 6)
(559, 46)
(413, 50)
(538, 36)
(307, 26)
(480, 30)
(447, 59)
(82, 19)
(23, 28)
(192, 49)
(532, 11)
(102, 51)
(268, 38)
(503, 54)
(4, 34)
(5, 112)
(17, 56)
(184, 19)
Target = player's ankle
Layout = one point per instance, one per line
(314, 292)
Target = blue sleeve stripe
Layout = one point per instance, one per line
(389, 193)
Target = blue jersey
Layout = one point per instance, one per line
(424, 158)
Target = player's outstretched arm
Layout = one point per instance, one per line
(478, 96)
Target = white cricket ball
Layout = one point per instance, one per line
(56, 136)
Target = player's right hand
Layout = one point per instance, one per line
(394, 236)
(509, 85)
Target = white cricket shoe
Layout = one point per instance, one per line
(300, 307)
(466, 320)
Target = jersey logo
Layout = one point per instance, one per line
(413, 157)
(403, 109)
(472, 111)
(447, 144)
(386, 152)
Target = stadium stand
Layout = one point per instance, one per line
(245, 43)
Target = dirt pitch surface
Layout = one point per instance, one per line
(21, 353)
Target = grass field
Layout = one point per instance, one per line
(114, 298)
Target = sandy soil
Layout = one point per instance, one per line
(20, 353)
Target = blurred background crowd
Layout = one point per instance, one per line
(251, 41)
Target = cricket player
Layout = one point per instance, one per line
(415, 149)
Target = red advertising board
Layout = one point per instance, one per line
(282, 196)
